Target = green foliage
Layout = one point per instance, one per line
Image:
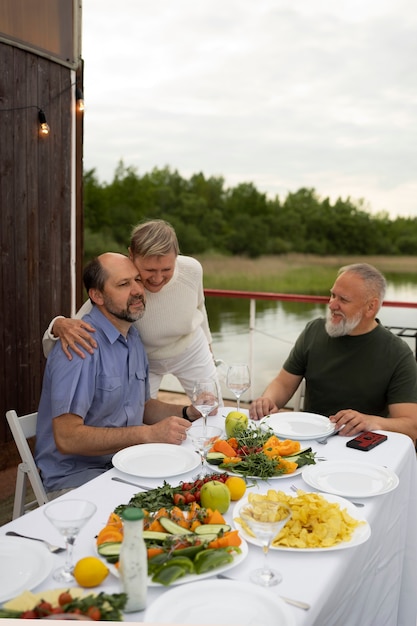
(236, 221)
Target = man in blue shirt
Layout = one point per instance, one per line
(91, 408)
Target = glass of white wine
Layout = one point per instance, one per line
(203, 437)
(205, 397)
(238, 380)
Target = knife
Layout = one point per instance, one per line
(127, 482)
(297, 603)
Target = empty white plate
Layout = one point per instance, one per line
(351, 479)
(24, 564)
(298, 425)
(156, 460)
(220, 602)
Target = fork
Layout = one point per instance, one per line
(50, 546)
(295, 488)
(323, 440)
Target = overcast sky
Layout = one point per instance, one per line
(282, 93)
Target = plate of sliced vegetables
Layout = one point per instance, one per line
(182, 546)
(259, 454)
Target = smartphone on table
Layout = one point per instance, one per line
(366, 441)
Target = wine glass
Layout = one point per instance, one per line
(69, 516)
(203, 437)
(238, 380)
(265, 519)
(205, 397)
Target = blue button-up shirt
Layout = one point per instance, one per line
(108, 389)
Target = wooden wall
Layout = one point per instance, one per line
(37, 198)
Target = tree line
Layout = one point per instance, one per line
(240, 220)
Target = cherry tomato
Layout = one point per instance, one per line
(179, 499)
(29, 615)
(186, 486)
(43, 608)
(189, 497)
(64, 598)
(93, 612)
(197, 495)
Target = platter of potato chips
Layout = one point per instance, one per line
(319, 522)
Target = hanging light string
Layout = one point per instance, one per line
(44, 126)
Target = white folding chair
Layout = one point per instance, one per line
(22, 428)
(298, 397)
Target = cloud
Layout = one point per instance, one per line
(281, 93)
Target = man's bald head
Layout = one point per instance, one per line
(107, 265)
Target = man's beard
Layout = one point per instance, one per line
(344, 327)
(125, 314)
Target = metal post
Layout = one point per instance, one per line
(252, 317)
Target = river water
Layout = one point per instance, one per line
(277, 326)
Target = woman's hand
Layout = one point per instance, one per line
(74, 333)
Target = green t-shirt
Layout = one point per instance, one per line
(364, 372)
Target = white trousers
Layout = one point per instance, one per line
(195, 362)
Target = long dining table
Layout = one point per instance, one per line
(371, 584)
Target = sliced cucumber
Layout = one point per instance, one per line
(215, 458)
(154, 535)
(109, 549)
(211, 529)
(173, 528)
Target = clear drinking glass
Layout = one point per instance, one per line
(69, 516)
(203, 437)
(265, 520)
(238, 380)
(205, 397)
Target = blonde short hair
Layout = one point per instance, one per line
(153, 238)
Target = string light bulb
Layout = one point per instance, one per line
(43, 123)
(80, 99)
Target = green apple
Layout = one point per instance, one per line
(235, 421)
(215, 495)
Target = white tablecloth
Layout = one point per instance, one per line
(373, 584)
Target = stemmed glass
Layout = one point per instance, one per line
(265, 520)
(238, 380)
(205, 397)
(69, 516)
(203, 437)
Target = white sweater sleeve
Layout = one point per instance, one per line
(49, 339)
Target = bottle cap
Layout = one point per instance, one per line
(132, 514)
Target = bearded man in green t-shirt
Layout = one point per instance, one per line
(356, 371)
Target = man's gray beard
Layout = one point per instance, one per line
(344, 327)
(124, 314)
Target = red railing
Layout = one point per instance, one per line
(288, 297)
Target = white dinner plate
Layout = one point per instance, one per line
(24, 564)
(298, 425)
(220, 602)
(351, 479)
(156, 460)
(238, 557)
(360, 534)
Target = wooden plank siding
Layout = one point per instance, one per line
(35, 217)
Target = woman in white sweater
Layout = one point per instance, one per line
(174, 328)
